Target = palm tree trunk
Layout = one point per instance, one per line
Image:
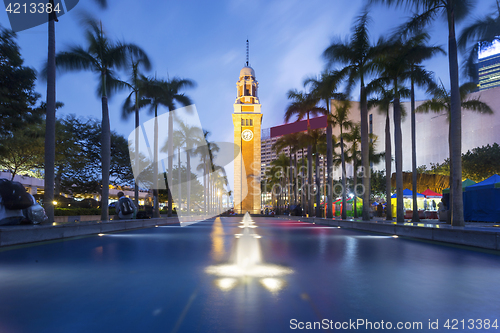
(457, 213)
(399, 160)
(344, 182)
(179, 190)
(415, 217)
(188, 181)
(365, 157)
(170, 159)
(303, 188)
(105, 157)
(329, 161)
(290, 184)
(355, 182)
(156, 207)
(309, 180)
(50, 125)
(296, 179)
(136, 158)
(318, 186)
(388, 166)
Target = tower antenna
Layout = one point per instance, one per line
(247, 52)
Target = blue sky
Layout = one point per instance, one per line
(205, 41)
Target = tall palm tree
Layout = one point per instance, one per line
(100, 56)
(325, 88)
(417, 52)
(167, 93)
(206, 153)
(134, 84)
(189, 137)
(357, 54)
(354, 156)
(314, 138)
(278, 166)
(453, 11)
(50, 119)
(398, 63)
(383, 102)
(303, 105)
(292, 142)
(340, 117)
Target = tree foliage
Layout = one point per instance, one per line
(17, 84)
(78, 158)
(477, 164)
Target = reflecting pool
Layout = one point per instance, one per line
(165, 279)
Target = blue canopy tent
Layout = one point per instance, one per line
(407, 194)
(481, 200)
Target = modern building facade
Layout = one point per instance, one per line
(488, 67)
(247, 119)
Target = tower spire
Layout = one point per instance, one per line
(247, 52)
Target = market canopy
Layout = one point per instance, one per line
(430, 193)
(407, 193)
(492, 182)
(465, 184)
(481, 201)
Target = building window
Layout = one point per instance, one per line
(242, 122)
(251, 122)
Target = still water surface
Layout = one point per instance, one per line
(163, 280)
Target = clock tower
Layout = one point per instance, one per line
(247, 119)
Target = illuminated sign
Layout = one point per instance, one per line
(487, 51)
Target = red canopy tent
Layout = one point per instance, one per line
(429, 193)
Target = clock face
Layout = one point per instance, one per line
(247, 135)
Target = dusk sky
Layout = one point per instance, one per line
(205, 41)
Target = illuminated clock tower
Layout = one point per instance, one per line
(247, 119)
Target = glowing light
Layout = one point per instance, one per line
(226, 284)
(263, 270)
(394, 236)
(100, 235)
(272, 284)
(156, 226)
(54, 203)
(338, 227)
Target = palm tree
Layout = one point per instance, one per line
(50, 119)
(383, 103)
(314, 138)
(340, 117)
(325, 88)
(354, 157)
(134, 84)
(452, 10)
(206, 153)
(357, 55)
(278, 166)
(167, 93)
(417, 52)
(303, 105)
(101, 56)
(189, 137)
(292, 142)
(399, 62)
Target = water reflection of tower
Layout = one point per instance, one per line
(247, 118)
